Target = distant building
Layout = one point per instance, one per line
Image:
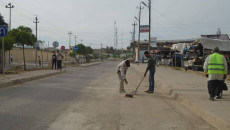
(218, 35)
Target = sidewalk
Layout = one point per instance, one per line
(13, 79)
(190, 89)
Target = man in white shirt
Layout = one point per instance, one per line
(121, 72)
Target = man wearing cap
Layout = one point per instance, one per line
(215, 68)
(151, 68)
(121, 72)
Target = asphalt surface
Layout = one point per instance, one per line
(87, 98)
(36, 104)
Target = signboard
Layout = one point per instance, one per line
(3, 31)
(144, 28)
(55, 44)
(75, 48)
(153, 42)
(63, 48)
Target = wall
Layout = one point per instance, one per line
(30, 54)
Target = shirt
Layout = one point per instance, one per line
(59, 56)
(215, 76)
(122, 68)
(151, 63)
(54, 57)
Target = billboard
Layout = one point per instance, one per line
(144, 28)
(153, 42)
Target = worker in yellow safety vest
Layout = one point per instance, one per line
(216, 69)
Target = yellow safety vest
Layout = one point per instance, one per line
(216, 64)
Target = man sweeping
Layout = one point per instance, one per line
(151, 68)
(215, 68)
(121, 72)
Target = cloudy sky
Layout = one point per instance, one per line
(93, 20)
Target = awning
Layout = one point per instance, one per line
(224, 45)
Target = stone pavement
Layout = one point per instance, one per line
(190, 89)
(13, 79)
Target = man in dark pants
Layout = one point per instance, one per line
(54, 60)
(151, 68)
(215, 68)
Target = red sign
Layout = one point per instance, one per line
(63, 48)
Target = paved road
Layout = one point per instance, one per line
(36, 104)
(88, 98)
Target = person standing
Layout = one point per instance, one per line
(152, 69)
(59, 60)
(39, 61)
(121, 72)
(54, 60)
(216, 69)
(11, 58)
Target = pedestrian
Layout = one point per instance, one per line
(59, 60)
(54, 61)
(121, 72)
(142, 59)
(39, 61)
(216, 69)
(151, 67)
(11, 57)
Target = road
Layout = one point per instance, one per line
(87, 98)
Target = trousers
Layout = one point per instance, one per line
(214, 87)
(151, 80)
(121, 81)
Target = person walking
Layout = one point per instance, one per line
(216, 69)
(54, 61)
(59, 60)
(121, 72)
(151, 67)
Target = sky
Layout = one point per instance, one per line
(92, 21)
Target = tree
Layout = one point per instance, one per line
(88, 50)
(23, 36)
(81, 49)
(2, 22)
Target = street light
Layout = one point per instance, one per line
(9, 6)
(136, 18)
(144, 3)
(70, 33)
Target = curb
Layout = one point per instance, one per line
(205, 115)
(182, 99)
(23, 80)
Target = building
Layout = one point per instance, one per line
(218, 35)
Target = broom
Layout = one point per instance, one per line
(130, 95)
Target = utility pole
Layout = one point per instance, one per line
(48, 52)
(115, 34)
(101, 51)
(134, 34)
(70, 39)
(116, 38)
(75, 40)
(138, 45)
(149, 6)
(150, 25)
(36, 22)
(10, 6)
(81, 41)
